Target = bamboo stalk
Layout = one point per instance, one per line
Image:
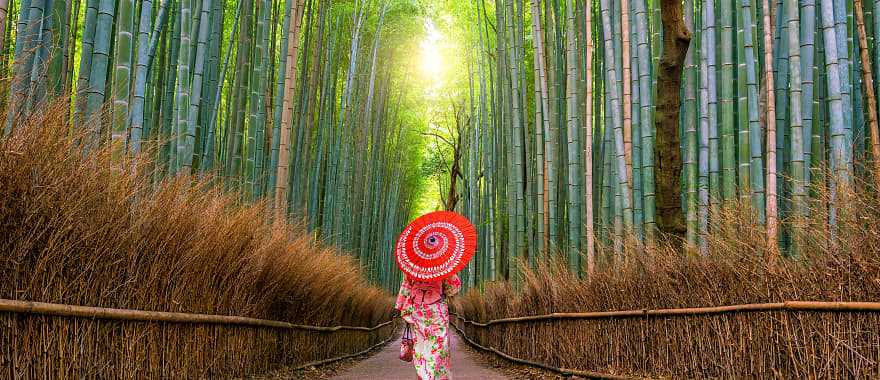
(626, 80)
(542, 125)
(574, 207)
(195, 100)
(588, 144)
(618, 136)
(286, 117)
(689, 140)
(837, 114)
(796, 147)
(772, 217)
(122, 71)
(868, 84)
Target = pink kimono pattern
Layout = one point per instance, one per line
(430, 327)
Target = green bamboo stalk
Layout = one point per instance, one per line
(374, 158)
(257, 107)
(122, 73)
(542, 124)
(18, 68)
(208, 159)
(73, 20)
(845, 66)
(838, 155)
(95, 90)
(184, 88)
(613, 92)
(37, 55)
(56, 49)
(196, 87)
(645, 81)
(781, 76)
(590, 244)
(236, 129)
(279, 99)
(808, 51)
(727, 102)
(798, 191)
(86, 49)
(27, 60)
(755, 151)
(167, 129)
(307, 117)
(703, 133)
(552, 68)
(689, 160)
(324, 133)
(518, 147)
(147, 45)
(347, 131)
(647, 130)
(712, 106)
(574, 191)
(743, 148)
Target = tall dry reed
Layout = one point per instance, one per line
(82, 229)
(840, 263)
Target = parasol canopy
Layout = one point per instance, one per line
(436, 246)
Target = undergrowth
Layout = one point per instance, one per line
(88, 229)
(833, 263)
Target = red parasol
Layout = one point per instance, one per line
(436, 246)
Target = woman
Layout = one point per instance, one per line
(423, 306)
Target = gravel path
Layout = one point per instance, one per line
(386, 365)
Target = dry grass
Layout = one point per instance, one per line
(81, 230)
(747, 345)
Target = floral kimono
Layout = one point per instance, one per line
(430, 325)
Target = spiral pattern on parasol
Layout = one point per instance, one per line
(436, 246)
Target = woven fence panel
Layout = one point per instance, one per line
(54, 347)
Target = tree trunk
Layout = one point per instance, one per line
(452, 197)
(676, 40)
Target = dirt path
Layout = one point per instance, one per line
(386, 365)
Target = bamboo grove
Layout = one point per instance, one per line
(289, 102)
(569, 148)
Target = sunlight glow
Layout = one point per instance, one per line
(431, 56)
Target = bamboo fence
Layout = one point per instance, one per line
(45, 340)
(562, 371)
(792, 339)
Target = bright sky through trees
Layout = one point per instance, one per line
(432, 60)
(433, 66)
